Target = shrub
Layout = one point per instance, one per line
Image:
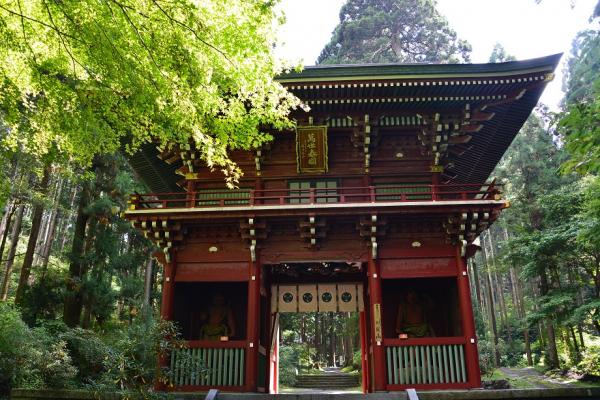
(590, 361)
(132, 356)
(357, 360)
(289, 358)
(31, 358)
(88, 352)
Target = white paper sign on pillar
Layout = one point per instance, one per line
(307, 298)
(327, 297)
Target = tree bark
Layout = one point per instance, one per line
(553, 360)
(36, 220)
(15, 233)
(520, 306)
(477, 284)
(148, 273)
(73, 298)
(6, 220)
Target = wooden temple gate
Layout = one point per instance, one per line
(373, 203)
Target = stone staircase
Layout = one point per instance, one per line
(330, 379)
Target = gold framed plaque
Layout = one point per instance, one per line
(311, 149)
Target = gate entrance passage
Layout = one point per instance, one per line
(318, 313)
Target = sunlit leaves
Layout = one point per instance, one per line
(93, 76)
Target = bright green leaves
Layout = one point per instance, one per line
(93, 76)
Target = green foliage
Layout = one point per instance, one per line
(31, 358)
(131, 360)
(87, 78)
(55, 356)
(486, 350)
(590, 363)
(357, 360)
(578, 124)
(499, 54)
(289, 363)
(381, 31)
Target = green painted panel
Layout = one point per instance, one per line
(208, 197)
(423, 361)
(451, 360)
(241, 367)
(446, 369)
(411, 358)
(395, 364)
(462, 363)
(429, 364)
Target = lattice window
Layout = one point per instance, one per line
(233, 197)
(391, 192)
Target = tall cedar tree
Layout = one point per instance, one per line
(384, 31)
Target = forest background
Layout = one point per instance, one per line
(79, 289)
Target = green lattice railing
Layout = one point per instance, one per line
(426, 364)
(208, 366)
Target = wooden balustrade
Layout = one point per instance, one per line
(358, 195)
(206, 363)
(426, 361)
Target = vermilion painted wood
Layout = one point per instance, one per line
(213, 272)
(166, 309)
(253, 326)
(378, 349)
(368, 194)
(468, 322)
(214, 344)
(425, 341)
(417, 268)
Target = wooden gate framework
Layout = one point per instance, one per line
(399, 195)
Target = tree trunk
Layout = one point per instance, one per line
(493, 321)
(73, 299)
(6, 220)
(148, 273)
(553, 360)
(36, 220)
(520, 307)
(577, 351)
(15, 233)
(476, 283)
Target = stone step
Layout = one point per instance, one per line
(327, 381)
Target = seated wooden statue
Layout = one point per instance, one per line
(412, 320)
(218, 322)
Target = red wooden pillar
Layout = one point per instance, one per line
(168, 289)
(468, 322)
(378, 351)
(166, 307)
(252, 327)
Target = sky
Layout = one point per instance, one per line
(525, 29)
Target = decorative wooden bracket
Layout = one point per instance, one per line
(364, 135)
(312, 230)
(187, 154)
(259, 156)
(251, 231)
(164, 233)
(371, 227)
(468, 225)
